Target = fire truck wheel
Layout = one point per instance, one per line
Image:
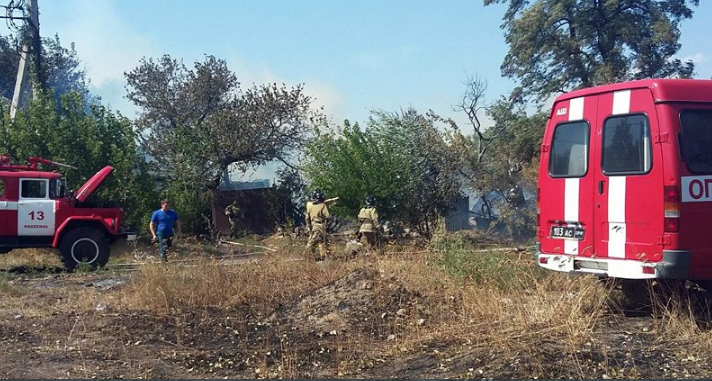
(84, 245)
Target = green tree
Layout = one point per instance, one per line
(292, 185)
(400, 158)
(198, 122)
(560, 45)
(8, 67)
(61, 68)
(514, 163)
(89, 141)
(500, 157)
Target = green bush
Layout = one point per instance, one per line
(504, 270)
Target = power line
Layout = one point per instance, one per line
(10, 13)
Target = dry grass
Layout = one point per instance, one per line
(209, 283)
(485, 312)
(476, 313)
(31, 258)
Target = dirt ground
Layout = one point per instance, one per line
(366, 324)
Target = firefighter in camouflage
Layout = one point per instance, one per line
(368, 217)
(316, 218)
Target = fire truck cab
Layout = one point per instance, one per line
(36, 210)
(625, 181)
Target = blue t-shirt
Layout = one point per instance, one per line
(164, 221)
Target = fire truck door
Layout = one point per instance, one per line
(7, 209)
(35, 210)
(630, 181)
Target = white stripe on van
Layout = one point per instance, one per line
(621, 102)
(616, 217)
(616, 192)
(576, 109)
(571, 187)
(571, 211)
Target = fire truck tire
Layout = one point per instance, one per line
(84, 245)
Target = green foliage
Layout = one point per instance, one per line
(65, 133)
(61, 69)
(191, 204)
(351, 164)
(500, 158)
(292, 187)
(197, 122)
(519, 222)
(8, 67)
(556, 46)
(516, 138)
(401, 159)
(503, 270)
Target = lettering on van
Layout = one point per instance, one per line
(696, 188)
(561, 111)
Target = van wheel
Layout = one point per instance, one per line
(84, 245)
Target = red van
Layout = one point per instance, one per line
(625, 181)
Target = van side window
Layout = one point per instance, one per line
(2, 188)
(697, 140)
(569, 150)
(626, 145)
(33, 188)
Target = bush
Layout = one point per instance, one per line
(501, 269)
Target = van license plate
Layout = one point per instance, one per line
(567, 232)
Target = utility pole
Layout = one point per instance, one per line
(34, 25)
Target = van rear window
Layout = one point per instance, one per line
(569, 150)
(697, 140)
(626, 145)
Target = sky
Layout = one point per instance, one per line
(351, 56)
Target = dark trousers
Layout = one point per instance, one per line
(165, 242)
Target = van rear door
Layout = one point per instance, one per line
(628, 197)
(566, 179)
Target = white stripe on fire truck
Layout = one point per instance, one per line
(8, 205)
(571, 187)
(616, 192)
(621, 102)
(616, 217)
(576, 109)
(571, 211)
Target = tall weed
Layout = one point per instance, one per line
(500, 269)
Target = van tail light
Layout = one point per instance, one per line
(672, 208)
(538, 195)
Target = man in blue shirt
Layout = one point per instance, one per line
(161, 226)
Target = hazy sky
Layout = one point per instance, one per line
(351, 56)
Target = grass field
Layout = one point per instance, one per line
(448, 309)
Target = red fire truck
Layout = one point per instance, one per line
(625, 181)
(36, 210)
